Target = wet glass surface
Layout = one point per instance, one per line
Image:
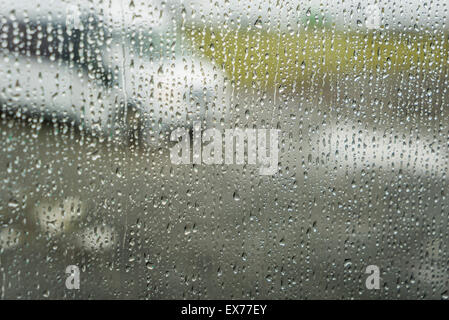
(92, 91)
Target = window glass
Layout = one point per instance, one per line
(209, 149)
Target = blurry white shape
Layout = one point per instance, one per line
(175, 92)
(157, 14)
(55, 217)
(142, 15)
(73, 20)
(356, 148)
(284, 15)
(373, 16)
(186, 85)
(35, 9)
(30, 86)
(119, 14)
(97, 238)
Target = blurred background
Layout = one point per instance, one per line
(90, 91)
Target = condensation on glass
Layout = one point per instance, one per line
(350, 97)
